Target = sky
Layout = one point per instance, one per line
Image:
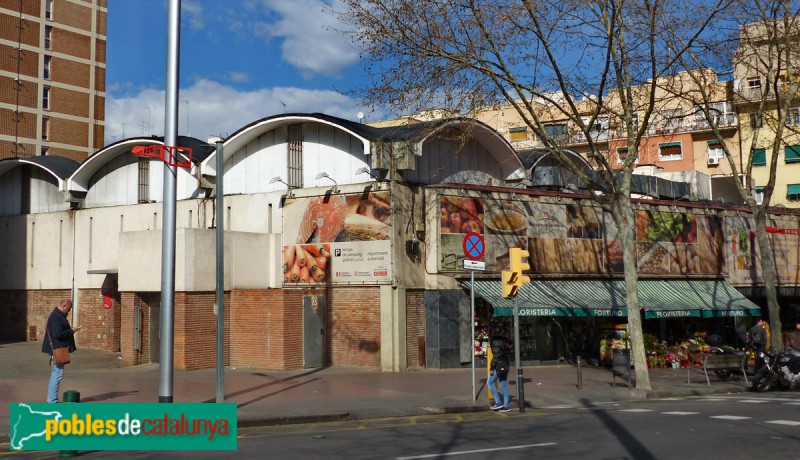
(240, 61)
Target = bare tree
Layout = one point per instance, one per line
(574, 59)
(766, 92)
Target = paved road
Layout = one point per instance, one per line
(728, 426)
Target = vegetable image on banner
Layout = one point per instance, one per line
(339, 238)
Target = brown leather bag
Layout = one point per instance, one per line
(60, 355)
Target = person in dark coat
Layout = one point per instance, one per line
(61, 334)
(757, 340)
(500, 366)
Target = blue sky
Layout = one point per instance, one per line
(241, 60)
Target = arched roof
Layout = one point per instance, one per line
(58, 167)
(79, 181)
(417, 134)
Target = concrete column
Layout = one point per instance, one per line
(393, 329)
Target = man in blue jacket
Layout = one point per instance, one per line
(60, 334)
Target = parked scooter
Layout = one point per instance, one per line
(781, 370)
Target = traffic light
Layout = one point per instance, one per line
(513, 279)
(509, 279)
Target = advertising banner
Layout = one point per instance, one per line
(337, 239)
(579, 239)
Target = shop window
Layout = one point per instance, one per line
(670, 151)
(759, 157)
(793, 154)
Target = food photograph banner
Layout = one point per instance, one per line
(744, 256)
(337, 239)
(578, 239)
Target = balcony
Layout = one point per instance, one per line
(745, 92)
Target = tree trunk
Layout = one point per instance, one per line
(622, 211)
(768, 271)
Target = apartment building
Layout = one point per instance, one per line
(52, 77)
(767, 96)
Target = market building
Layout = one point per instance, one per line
(344, 247)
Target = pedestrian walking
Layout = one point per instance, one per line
(500, 367)
(58, 334)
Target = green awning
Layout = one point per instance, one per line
(792, 154)
(658, 298)
(793, 189)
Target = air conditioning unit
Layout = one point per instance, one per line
(713, 161)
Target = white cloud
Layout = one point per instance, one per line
(215, 109)
(312, 41)
(192, 11)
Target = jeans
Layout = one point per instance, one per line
(503, 386)
(56, 373)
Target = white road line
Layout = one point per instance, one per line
(783, 422)
(729, 417)
(713, 399)
(478, 451)
(793, 403)
(680, 413)
(636, 410)
(756, 401)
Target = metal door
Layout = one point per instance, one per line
(313, 331)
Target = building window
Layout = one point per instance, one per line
(48, 37)
(758, 195)
(46, 98)
(45, 128)
(721, 113)
(622, 155)
(759, 157)
(45, 150)
(793, 154)
(295, 144)
(670, 151)
(672, 118)
(144, 180)
(518, 133)
(715, 150)
(48, 9)
(557, 132)
(793, 116)
(47, 62)
(756, 120)
(754, 83)
(793, 192)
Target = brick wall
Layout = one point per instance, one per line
(257, 329)
(355, 326)
(72, 14)
(23, 314)
(415, 329)
(101, 327)
(195, 332)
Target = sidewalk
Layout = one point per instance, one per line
(267, 397)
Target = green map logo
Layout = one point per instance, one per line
(111, 426)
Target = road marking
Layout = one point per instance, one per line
(680, 413)
(636, 410)
(477, 451)
(713, 399)
(783, 422)
(756, 401)
(793, 403)
(729, 417)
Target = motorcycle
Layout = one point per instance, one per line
(781, 370)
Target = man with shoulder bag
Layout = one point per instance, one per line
(59, 342)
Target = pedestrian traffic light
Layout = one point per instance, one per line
(519, 266)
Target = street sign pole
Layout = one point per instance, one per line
(520, 390)
(472, 320)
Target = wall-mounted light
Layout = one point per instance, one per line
(365, 170)
(289, 193)
(324, 175)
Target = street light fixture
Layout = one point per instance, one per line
(324, 175)
(289, 193)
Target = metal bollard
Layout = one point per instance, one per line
(580, 377)
(70, 396)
